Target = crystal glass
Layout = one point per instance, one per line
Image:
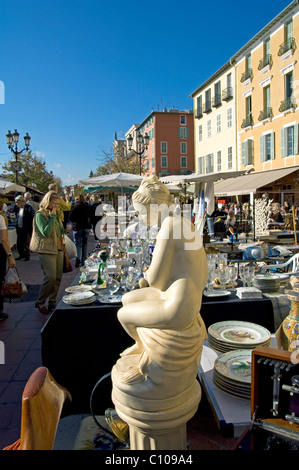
(249, 275)
(233, 275)
(211, 261)
(223, 276)
(242, 271)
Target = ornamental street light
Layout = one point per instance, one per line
(12, 142)
(142, 142)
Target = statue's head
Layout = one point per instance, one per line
(152, 200)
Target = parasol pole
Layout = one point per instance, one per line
(294, 224)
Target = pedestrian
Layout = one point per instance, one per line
(29, 200)
(64, 206)
(5, 255)
(47, 241)
(80, 216)
(25, 214)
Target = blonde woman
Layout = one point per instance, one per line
(47, 241)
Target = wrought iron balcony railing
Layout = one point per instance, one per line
(216, 100)
(248, 121)
(267, 60)
(286, 104)
(227, 93)
(288, 45)
(207, 107)
(246, 75)
(266, 113)
(199, 112)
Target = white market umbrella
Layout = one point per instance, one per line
(115, 180)
(7, 187)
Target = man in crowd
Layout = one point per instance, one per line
(25, 214)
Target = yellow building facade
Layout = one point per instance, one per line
(267, 87)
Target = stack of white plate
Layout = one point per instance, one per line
(77, 289)
(267, 282)
(233, 335)
(232, 373)
(80, 298)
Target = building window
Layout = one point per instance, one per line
(183, 162)
(218, 123)
(163, 147)
(209, 128)
(229, 158)
(289, 141)
(201, 166)
(229, 118)
(183, 132)
(209, 163)
(164, 161)
(199, 107)
(247, 152)
(267, 147)
(147, 165)
(219, 160)
(183, 147)
(153, 162)
(200, 133)
(183, 120)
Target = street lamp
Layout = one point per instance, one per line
(12, 142)
(142, 142)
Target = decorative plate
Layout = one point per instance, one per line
(238, 332)
(77, 289)
(219, 293)
(110, 299)
(235, 366)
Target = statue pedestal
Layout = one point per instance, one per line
(156, 424)
(166, 439)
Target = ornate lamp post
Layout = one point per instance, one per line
(12, 142)
(142, 142)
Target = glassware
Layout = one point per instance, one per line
(233, 275)
(249, 275)
(131, 280)
(242, 271)
(211, 261)
(223, 276)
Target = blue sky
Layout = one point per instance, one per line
(77, 71)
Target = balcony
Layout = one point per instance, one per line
(207, 108)
(288, 46)
(247, 75)
(227, 93)
(247, 122)
(216, 100)
(199, 112)
(266, 113)
(266, 61)
(287, 104)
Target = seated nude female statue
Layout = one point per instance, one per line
(154, 382)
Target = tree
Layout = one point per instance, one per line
(33, 171)
(118, 161)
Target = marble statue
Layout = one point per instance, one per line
(155, 390)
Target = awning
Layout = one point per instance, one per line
(250, 183)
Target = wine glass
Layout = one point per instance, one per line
(242, 271)
(211, 261)
(233, 275)
(223, 276)
(249, 274)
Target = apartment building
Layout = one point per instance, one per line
(171, 142)
(267, 79)
(215, 123)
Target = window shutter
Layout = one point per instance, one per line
(272, 146)
(250, 152)
(295, 139)
(262, 148)
(244, 153)
(283, 149)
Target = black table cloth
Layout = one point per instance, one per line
(80, 344)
